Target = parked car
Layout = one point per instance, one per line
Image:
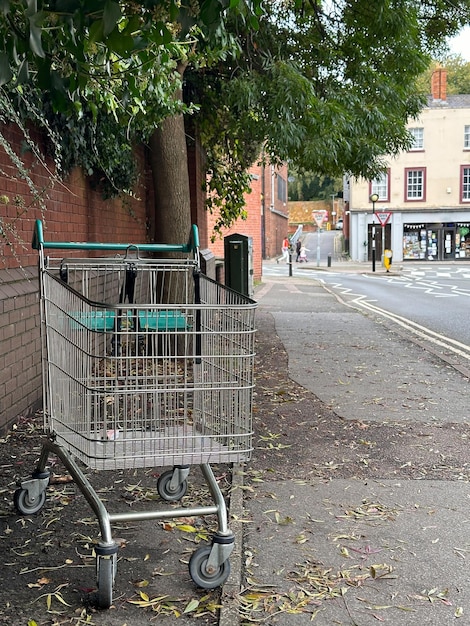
(339, 224)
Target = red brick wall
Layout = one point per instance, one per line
(276, 215)
(251, 227)
(74, 212)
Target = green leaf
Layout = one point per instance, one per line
(210, 12)
(174, 10)
(35, 33)
(132, 26)
(191, 606)
(96, 31)
(122, 44)
(5, 71)
(23, 73)
(254, 22)
(111, 15)
(94, 110)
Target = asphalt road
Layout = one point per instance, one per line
(433, 295)
(441, 304)
(320, 245)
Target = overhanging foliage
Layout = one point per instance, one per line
(326, 86)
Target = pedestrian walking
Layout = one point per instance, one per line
(303, 254)
(285, 251)
(298, 247)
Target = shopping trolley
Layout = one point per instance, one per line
(146, 362)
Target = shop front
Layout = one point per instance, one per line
(436, 242)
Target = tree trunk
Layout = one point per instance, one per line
(169, 165)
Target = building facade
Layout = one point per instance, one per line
(267, 217)
(421, 208)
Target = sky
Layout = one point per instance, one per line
(461, 44)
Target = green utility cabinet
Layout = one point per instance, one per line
(238, 255)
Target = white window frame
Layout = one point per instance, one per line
(465, 183)
(415, 184)
(418, 138)
(466, 137)
(380, 186)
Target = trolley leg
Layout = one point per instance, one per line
(87, 490)
(31, 497)
(209, 566)
(223, 541)
(218, 499)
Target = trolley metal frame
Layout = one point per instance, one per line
(146, 362)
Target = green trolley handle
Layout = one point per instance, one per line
(39, 243)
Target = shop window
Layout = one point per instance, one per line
(466, 137)
(414, 241)
(465, 183)
(381, 186)
(418, 138)
(415, 184)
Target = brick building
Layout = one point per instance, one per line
(267, 216)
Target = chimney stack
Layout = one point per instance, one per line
(439, 84)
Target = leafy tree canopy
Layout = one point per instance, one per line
(89, 69)
(328, 86)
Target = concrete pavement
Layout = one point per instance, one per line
(347, 550)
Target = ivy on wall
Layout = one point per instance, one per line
(89, 138)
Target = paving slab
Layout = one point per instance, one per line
(351, 552)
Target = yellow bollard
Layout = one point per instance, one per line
(388, 255)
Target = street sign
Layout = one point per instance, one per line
(319, 217)
(384, 217)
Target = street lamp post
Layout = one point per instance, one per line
(373, 198)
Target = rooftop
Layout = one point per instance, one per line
(457, 101)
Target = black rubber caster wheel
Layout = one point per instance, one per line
(202, 578)
(167, 492)
(25, 504)
(105, 579)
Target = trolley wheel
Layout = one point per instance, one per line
(105, 571)
(166, 491)
(202, 578)
(25, 504)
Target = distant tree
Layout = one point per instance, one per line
(310, 186)
(458, 74)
